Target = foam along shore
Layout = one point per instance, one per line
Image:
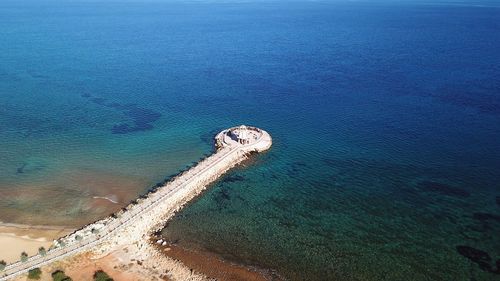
(130, 229)
(16, 238)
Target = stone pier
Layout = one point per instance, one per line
(139, 220)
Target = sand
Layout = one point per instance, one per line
(14, 239)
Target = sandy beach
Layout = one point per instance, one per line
(15, 238)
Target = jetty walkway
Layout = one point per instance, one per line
(148, 214)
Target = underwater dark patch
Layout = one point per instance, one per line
(475, 94)
(86, 95)
(208, 138)
(498, 200)
(141, 117)
(481, 258)
(330, 162)
(233, 178)
(222, 197)
(486, 217)
(30, 166)
(20, 170)
(441, 188)
(36, 75)
(122, 128)
(114, 105)
(297, 166)
(99, 101)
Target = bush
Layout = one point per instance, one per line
(42, 251)
(78, 238)
(24, 257)
(59, 275)
(3, 264)
(101, 276)
(34, 273)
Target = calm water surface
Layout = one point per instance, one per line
(385, 118)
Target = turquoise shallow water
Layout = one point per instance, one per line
(385, 162)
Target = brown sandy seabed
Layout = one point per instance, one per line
(76, 198)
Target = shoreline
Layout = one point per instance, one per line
(18, 238)
(35, 227)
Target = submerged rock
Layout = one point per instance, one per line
(233, 178)
(31, 165)
(481, 258)
(141, 117)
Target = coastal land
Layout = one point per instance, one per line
(122, 263)
(125, 244)
(17, 238)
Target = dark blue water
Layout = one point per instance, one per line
(385, 118)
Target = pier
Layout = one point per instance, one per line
(148, 214)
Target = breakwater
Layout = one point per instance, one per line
(148, 214)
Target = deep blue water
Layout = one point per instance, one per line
(385, 118)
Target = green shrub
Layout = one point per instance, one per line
(59, 275)
(34, 273)
(101, 276)
(42, 251)
(24, 257)
(3, 264)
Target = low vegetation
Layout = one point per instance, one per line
(24, 257)
(34, 273)
(59, 275)
(3, 264)
(102, 276)
(42, 251)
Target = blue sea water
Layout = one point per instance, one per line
(385, 118)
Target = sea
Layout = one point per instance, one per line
(385, 118)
